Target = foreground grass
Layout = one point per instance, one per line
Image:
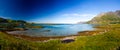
(107, 41)
(11, 43)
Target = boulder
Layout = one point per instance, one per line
(67, 40)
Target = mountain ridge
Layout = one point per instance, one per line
(106, 18)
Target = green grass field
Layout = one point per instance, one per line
(107, 41)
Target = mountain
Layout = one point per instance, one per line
(3, 20)
(9, 24)
(12, 25)
(106, 18)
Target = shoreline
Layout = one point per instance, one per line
(82, 33)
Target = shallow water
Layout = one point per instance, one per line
(56, 30)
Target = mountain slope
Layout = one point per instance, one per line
(106, 18)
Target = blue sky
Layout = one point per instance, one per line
(55, 11)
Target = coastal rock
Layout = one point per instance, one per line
(67, 40)
(47, 30)
(20, 29)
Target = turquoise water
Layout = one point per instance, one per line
(56, 30)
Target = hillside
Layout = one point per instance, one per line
(12, 25)
(106, 18)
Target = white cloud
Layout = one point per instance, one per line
(78, 15)
(68, 18)
(74, 18)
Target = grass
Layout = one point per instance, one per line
(107, 41)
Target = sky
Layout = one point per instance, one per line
(55, 11)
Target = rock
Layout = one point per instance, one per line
(67, 40)
(47, 30)
(20, 29)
